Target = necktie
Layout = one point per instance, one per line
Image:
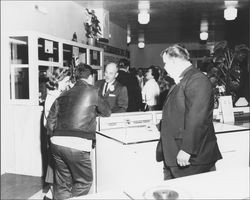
(105, 88)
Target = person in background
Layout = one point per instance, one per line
(115, 93)
(130, 81)
(165, 83)
(59, 83)
(72, 124)
(187, 136)
(151, 89)
(140, 77)
(133, 71)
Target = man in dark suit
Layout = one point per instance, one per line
(115, 93)
(132, 84)
(188, 139)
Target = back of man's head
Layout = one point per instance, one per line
(123, 63)
(176, 51)
(83, 71)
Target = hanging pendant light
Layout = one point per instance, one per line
(141, 40)
(143, 17)
(230, 13)
(204, 35)
(141, 45)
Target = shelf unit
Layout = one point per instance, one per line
(35, 55)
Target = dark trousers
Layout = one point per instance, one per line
(49, 178)
(177, 171)
(72, 172)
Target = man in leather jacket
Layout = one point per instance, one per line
(72, 124)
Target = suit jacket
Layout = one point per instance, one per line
(134, 90)
(118, 98)
(187, 120)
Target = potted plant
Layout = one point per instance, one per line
(92, 27)
(223, 68)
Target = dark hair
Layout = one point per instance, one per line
(83, 71)
(51, 85)
(123, 63)
(177, 51)
(155, 72)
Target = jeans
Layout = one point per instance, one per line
(73, 172)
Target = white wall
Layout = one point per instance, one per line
(62, 19)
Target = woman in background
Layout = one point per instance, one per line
(151, 89)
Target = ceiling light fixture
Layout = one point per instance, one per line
(204, 25)
(230, 13)
(128, 34)
(143, 5)
(128, 39)
(204, 35)
(143, 17)
(141, 39)
(141, 45)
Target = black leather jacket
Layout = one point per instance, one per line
(74, 112)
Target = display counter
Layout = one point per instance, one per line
(227, 184)
(126, 145)
(125, 151)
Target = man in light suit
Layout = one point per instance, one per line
(115, 93)
(188, 139)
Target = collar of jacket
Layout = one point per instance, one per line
(185, 71)
(81, 82)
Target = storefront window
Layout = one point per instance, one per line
(19, 68)
(94, 57)
(48, 50)
(21, 83)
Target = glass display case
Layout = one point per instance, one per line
(35, 57)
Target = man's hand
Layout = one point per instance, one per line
(183, 158)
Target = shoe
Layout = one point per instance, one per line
(46, 198)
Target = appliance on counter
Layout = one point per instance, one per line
(125, 151)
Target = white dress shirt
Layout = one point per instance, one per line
(109, 85)
(80, 144)
(150, 92)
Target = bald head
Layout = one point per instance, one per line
(111, 72)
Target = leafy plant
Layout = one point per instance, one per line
(92, 27)
(224, 68)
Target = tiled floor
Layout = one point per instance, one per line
(15, 186)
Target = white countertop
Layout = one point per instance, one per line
(150, 133)
(133, 134)
(221, 127)
(104, 195)
(228, 184)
